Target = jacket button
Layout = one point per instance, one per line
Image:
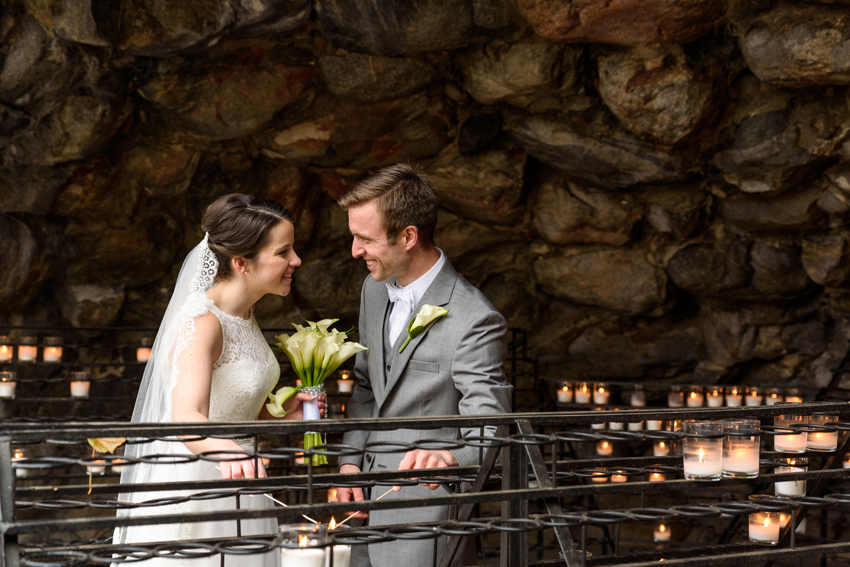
(388, 367)
(368, 458)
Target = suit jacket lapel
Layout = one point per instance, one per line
(376, 336)
(439, 293)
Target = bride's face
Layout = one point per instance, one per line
(271, 271)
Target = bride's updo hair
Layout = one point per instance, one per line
(238, 225)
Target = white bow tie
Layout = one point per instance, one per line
(398, 293)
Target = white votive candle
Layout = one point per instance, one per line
(565, 394)
(656, 477)
(80, 389)
(734, 398)
(753, 397)
(306, 557)
(6, 349)
(601, 394)
(744, 461)
(52, 350)
(661, 534)
(28, 349)
(695, 399)
(763, 530)
(604, 448)
(715, 398)
(7, 388)
(342, 556)
(635, 426)
(660, 449)
(20, 455)
(638, 398)
(616, 425)
(582, 394)
(97, 467)
(653, 424)
(619, 478)
(790, 487)
(344, 386)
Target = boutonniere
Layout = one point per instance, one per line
(427, 315)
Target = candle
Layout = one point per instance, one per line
(801, 527)
(702, 456)
(636, 426)
(715, 397)
(344, 386)
(582, 393)
(332, 497)
(598, 426)
(695, 397)
(741, 448)
(675, 398)
(790, 443)
(8, 385)
(794, 396)
(306, 557)
(822, 441)
(845, 464)
(791, 487)
(601, 394)
(6, 349)
(20, 455)
(80, 384)
(98, 466)
(753, 397)
(661, 534)
(638, 397)
(734, 398)
(28, 349)
(565, 394)
(52, 350)
(117, 465)
(143, 351)
(660, 449)
(303, 546)
(342, 556)
(604, 448)
(616, 425)
(656, 477)
(762, 530)
(774, 395)
(599, 477)
(653, 424)
(619, 478)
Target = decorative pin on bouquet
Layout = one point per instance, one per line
(315, 353)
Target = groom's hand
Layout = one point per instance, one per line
(349, 494)
(426, 459)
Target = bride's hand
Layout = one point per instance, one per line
(295, 405)
(241, 469)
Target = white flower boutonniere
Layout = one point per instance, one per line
(426, 316)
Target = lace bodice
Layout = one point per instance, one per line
(245, 372)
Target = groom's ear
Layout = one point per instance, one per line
(410, 236)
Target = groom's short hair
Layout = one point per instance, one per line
(404, 197)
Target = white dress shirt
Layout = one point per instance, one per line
(405, 298)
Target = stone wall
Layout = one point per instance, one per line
(653, 188)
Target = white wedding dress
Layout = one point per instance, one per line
(241, 379)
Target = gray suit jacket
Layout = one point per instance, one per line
(454, 368)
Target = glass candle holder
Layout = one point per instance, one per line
(143, 351)
(604, 448)
(753, 396)
(675, 398)
(791, 487)
(656, 477)
(653, 424)
(345, 384)
(601, 394)
(790, 443)
(20, 454)
(599, 476)
(694, 397)
(822, 441)
(774, 396)
(597, 426)
(52, 350)
(741, 448)
(734, 397)
(845, 464)
(661, 448)
(616, 425)
(715, 397)
(619, 476)
(565, 393)
(7, 349)
(8, 383)
(635, 426)
(97, 466)
(582, 393)
(764, 525)
(661, 534)
(28, 349)
(80, 384)
(638, 397)
(702, 450)
(304, 545)
(794, 396)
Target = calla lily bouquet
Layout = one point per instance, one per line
(315, 352)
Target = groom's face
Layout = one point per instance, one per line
(385, 258)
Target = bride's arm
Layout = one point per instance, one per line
(295, 407)
(190, 399)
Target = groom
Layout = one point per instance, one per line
(453, 368)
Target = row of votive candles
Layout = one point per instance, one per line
(690, 396)
(80, 383)
(27, 348)
(761, 531)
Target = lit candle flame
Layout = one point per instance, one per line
(662, 528)
(701, 455)
(332, 525)
(661, 444)
(693, 394)
(766, 522)
(303, 541)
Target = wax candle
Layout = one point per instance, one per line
(98, 466)
(734, 397)
(619, 477)
(695, 397)
(675, 398)
(753, 397)
(597, 426)
(656, 477)
(601, 394)
(53, 350)
(342, 556)
(117, 465)
(6, 349)
(635, 426)
(616, 425)
(741, 448)
(8, 384)
(344, 386)
(604, 448)
(660, 449)
(599, 478)
(303, 557)
(763, 531)
(80, 384)
(582, 393)
(702, 456)
(303, 546)
(20, 455)
(715, 397)
(794, 396)
(653, 424)
(774, 395)
(28, 349)
(791, 487)
(143, 351)
(845, 464)
(565, 394)
(661, 534)
(790, 443)
(823, 441)
(638, 397)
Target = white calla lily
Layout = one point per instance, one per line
(426, 316)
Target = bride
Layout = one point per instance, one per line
(210, 362)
